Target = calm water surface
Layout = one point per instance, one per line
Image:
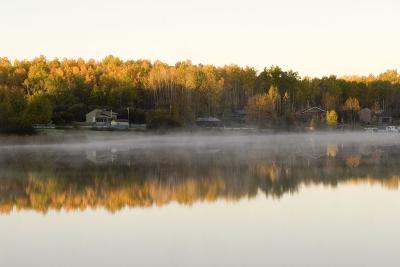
(200, 200)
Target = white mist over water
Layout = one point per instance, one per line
(92, 140)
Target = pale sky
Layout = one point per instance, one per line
(313, 37)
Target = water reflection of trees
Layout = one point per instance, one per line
(43, 181)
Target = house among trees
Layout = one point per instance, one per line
(172, 95)
(384, 118)
(368, 116)
(208, 122)
(315, 113)
(100, 116)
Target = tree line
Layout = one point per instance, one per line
(63, 91)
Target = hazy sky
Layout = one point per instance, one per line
(314, 37)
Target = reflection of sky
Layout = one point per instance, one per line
(352, 225)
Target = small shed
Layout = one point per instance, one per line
(385, 119)
(239, 116)
(208, 122)
(382, 117)
(313, 113)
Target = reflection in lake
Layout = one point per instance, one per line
(139, 174)
(191, 200)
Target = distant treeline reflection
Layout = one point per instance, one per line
(44, 181)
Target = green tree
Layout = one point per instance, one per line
(12, 111)
(39, 109)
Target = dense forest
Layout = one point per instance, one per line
(63, 91)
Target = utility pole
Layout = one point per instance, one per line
(129, 122)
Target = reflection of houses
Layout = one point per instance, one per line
(100, 116)
(208, 122)
(115, 155)
(315, 113)
(100, 157)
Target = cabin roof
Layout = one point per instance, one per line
(313, 109)
(102, 113)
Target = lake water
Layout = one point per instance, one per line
(200, 200)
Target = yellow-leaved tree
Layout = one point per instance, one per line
(261, 108)
(352, 105)
(331, 118)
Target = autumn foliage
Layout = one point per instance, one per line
(63, 91)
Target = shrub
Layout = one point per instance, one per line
(159, 119)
